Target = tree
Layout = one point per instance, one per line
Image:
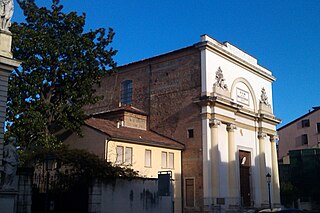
(82, 166)
(61, 65)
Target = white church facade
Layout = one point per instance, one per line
(238, 126)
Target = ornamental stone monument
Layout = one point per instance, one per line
(8, 193)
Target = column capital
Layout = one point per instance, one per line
(214, 123)
(262, 135)
(231, 127)
(273, 138)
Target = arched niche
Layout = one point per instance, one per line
(243, 93)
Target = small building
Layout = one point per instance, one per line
(299, 154)
(217, 100)
(121, 137)
(301, 133)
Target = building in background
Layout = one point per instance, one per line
(121, 137)
(216, 100)
(302, 133)
(299, 158)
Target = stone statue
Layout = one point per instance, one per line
(220, 80)
(264, 97)
(11, 160)
(6, 12)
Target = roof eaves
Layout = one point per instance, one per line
(299, 118)
(157, 56)
(97, 129)
(146, 142)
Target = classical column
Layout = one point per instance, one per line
(231, 162)
(275, 172)
(214, 123)
(262, 160)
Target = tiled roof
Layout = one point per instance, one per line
(316, 108)
(132, 135)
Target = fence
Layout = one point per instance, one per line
(223, 204)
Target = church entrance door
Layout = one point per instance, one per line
(245, 164)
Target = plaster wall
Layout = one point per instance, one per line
(124, 196)
(92, 141)
(138, 163)
(290, 135)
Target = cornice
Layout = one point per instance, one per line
(8, 64)
(235, 59)
(269, 119)
(237, 109)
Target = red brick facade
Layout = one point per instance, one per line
(165, 87)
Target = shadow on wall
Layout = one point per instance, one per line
(136, 195)
(247, 185)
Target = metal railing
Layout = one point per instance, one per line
(223, 204)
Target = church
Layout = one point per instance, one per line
(216, 100)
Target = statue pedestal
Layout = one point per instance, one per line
(7, 64)
(218, 91)
(265, 109)
(8, 201)
(5, 44)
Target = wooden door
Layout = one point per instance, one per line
(245, 164)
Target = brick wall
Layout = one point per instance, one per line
(165, 87)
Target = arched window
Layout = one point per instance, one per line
(126, 93)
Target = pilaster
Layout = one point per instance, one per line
(275, 173)
(232, 182)
(214, 124)
(262, 163)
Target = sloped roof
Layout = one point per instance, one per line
(316, 108)
(127, 108)
(132, 135)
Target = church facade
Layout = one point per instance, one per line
(216, 100)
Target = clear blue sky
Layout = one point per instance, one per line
(282, 34)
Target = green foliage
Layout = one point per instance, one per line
(61, 66)
(76, 167)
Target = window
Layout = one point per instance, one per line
(305, 123)
(171, 161)
(163, 160)
(318, 128)
(147, 158)
(167, 160)
(128, 156)
(189, 189)
(190, 133)
(304, 139)
(124, 155)
(126, 93)
(119, 152)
